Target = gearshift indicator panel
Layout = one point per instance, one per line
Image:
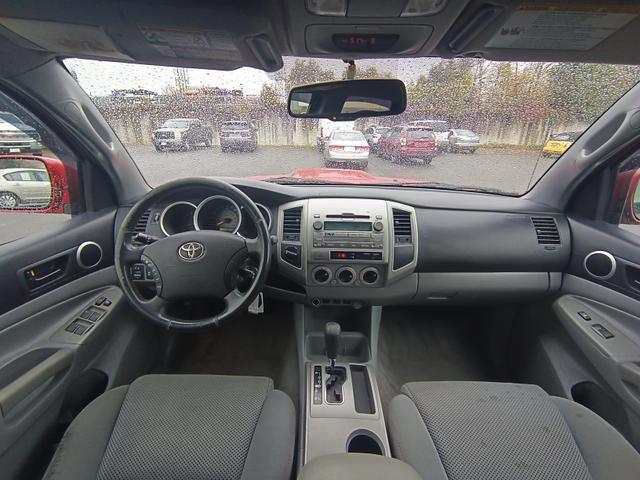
(317, 385)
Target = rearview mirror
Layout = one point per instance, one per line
(348, 99)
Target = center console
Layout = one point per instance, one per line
(339, 248)
(342, 409)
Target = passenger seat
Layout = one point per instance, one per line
(476, 430)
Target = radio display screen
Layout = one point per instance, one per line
(348, 226)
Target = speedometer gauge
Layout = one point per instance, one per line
(218, 213)
(227, 219)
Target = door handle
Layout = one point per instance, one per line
(48, 275)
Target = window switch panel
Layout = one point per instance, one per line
(585, 316)
(602, 331)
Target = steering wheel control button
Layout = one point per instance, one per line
(138, 272)
(191, 251)
(151, 273)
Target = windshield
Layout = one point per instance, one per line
(512, 110)
(419, 133)
(175, 124)
(235, 125)
(464, 133)
(348, 136)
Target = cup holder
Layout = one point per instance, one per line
(364, 441)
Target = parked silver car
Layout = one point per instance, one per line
(462, 140)
(346, 148)
(24, 188)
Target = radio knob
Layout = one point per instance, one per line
(317, 225)
(378, 226)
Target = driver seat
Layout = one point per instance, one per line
(181, 427)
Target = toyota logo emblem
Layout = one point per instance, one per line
(191, 251)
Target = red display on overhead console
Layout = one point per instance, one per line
(364, 42)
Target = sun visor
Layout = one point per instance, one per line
(200, 37)
(592, 31)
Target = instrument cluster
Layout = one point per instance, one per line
(217, 212)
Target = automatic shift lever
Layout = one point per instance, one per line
(332, 342)
(337, 375)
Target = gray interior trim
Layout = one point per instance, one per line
(411, 441)
(266, 459)
(18, 390)
(357, 466)
(481, 287)
(606, 452)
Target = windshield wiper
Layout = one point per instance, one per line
(450, 186)
(302, 181)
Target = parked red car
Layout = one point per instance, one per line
(408, 142)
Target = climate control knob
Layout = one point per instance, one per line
(346, 275)
(369, 275)
(322, 275)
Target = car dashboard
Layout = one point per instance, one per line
(358, 245)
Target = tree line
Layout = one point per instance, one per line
(468, 92)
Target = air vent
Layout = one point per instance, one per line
(141, 224)
(401, 226)
(546, 230)
(291, 224)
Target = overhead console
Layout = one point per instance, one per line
(345, 246)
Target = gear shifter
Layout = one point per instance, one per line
(337, 375)
(332, 332)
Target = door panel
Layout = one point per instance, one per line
(600, 310)
(42, 360)
(57, 333)
(19, 259)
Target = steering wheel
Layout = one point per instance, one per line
(201, 264)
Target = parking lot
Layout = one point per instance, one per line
(507, 170)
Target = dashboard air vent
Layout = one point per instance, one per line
(401, 226)
(291, 224)
(143, 220)
(546, 230)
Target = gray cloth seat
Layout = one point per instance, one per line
(475, 430)
(179, 427)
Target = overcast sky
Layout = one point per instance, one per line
(100, 77)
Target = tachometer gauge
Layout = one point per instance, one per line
(218, 213)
